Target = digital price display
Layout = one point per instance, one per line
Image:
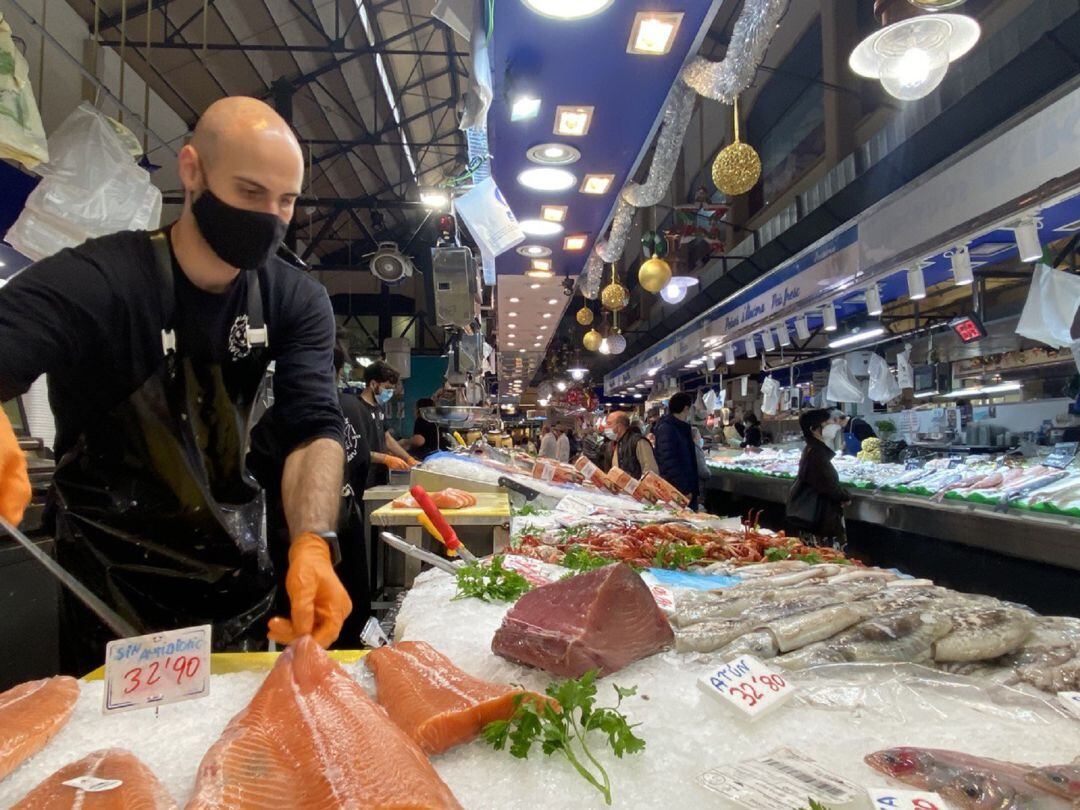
(968, 328)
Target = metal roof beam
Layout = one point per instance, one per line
(250, 47)
(390, 127)
(115, 20)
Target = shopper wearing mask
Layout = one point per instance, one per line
(751, 431)
(675, 451)
(832, 434)
(380, 380)
(816, 501)
(627, 449)
(155, 345)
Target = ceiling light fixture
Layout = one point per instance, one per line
(568, 9)
(553, 301)
(857, 336)
(435, 198)
(573, 121)
(546, 315)
(538, 272)
(553, 213)
(540, 227)
(575, 242)
(802, 328)
(751, 346)
(910, 57)
(578, 373)
(828, 316)
(960, 260)
(729, 355)
(654, 32)
(916, 284)
(515, 300)
(783, 336)
(524, 107)
(675, 290)
(873, 300)
(984, 390)
(596, 183)
(547, 178)
(652, 372)
(605, 347)
(534, 251)
(1026, 232)
(533, 286)
(553, 154)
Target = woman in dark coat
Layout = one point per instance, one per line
(816, 502)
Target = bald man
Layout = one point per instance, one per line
(155, 346)
(630, 451)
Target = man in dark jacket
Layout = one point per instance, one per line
(675, 448)
(626, 448)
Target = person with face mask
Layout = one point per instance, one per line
(155, 346)
(675, 451)
(832, 433)
(380, 380)
(629, 450)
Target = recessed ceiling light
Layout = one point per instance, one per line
(537, 345)
(553, 154)
(534, 251)
(436, 198)
(533, 286)
(596, 183)
(511, 326)
(512, 314)
(538, 272)
(543, 328)
(540, 227)
(568, 9)
(524, 107)
(522, 351)
(515, 300)
(575, 242)
(543, 265)
(547, 178)
(573, 121)
(511, 345)
(553, 301)
(553, 213)
(547, 315)
(653, 32)
(512, 335)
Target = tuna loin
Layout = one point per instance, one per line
(603, 619)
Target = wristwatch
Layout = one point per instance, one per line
(331, 539)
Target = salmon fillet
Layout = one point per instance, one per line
(448, 498)
(139, 788)
(433, 701)
(30, 714)
(311, 738)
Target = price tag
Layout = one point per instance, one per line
(158, 668)
(1071, 702)
(665, 599)
(913, 464)
(955, 461)
(537, 573)
(890, 799)
(574, 505)
(1062, 455)
(748, 685)
(91, 784)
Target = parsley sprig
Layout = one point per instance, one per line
(491, 582)
(579, 560)
(677, 555)
(567, 728)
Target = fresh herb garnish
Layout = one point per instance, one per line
(814, 805)
(531, 509)
(567, 728)
(810, 557)
(677, 555)
(526, 530)
(576, 532)
(580, 559)
(776, 554)
(490, 583)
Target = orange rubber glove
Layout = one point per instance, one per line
(412, 462)
(395, 463)
(319, 602)
(14, 479)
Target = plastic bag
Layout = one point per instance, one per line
(91, 188)
(1050, 309)
(478, 93)
(842, 385)
(489, 219)
(710, 401)
(905, 374)
(883, 386)
(770, 396)
(22, 137)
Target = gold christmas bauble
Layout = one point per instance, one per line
(591, 341)
(584, 316)
(654, 274)
(736, 169)
(614, 296)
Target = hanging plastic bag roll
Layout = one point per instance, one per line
(489, 219)
(770, 396)
(1051, 307)
(842, 385)
(883, 386)
(905, 374)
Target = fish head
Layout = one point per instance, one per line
(979, 790)
(1060, 780)
(913, 766)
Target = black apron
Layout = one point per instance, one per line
(155, 510)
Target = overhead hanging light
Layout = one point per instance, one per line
(783, 335)
(960, 260)
(578, 373)
(910, 57)
(802, 328)
(828, 315)
(751, 347)
(675, 290)
(568, 9)
(1027, 239)
(435, 198)
(767, 342)
(873, 300)
(857, 335)
(605, 346)
(916, 284)
(729, 355)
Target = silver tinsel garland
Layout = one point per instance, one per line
(721, 81)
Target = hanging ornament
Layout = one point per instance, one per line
(654, 274)
(647, 244)
(584, 316)
(614, 296)
(737, 168)
(616, 341)
(591, 341)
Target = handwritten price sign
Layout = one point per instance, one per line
(890, 799)
(158, 668)
(748, 685)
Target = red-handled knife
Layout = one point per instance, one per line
(448, 535)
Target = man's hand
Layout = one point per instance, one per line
(412, 462)
(318, 601)
(14, 479)
(395, 463)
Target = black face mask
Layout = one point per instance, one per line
(244, 239)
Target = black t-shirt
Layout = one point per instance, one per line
(372, 427)
(430, 432)
(91, 318)
(357, 449)
(861, 429)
